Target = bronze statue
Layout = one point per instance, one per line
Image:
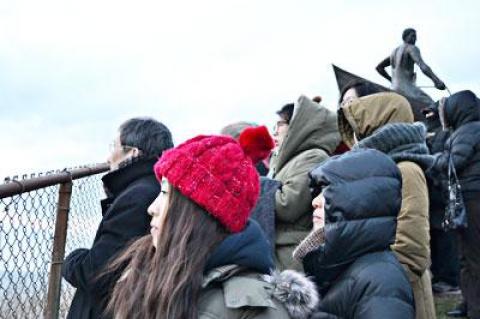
(403, 77)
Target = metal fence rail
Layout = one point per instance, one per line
(41, 219)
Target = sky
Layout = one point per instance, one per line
(72, 71)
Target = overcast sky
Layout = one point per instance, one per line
(72, 71)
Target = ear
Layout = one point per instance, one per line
(135, 152)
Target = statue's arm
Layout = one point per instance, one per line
(381, 68)
(417, 58)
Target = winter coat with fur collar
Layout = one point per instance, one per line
(238, 282)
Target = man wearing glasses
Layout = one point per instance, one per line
(131, 187)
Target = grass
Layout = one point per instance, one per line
(444, 304)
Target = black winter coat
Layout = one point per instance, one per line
(357, 274)
(131, 190)
(462, 115)
(436, 185)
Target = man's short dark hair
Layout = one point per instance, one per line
(407, 32)
(150, 136)
(286, 112)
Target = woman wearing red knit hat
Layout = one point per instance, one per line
(204, 257)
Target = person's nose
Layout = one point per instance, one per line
(153, 208)
(317, 202)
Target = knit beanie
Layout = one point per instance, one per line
(217, 173)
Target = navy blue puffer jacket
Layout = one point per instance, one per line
(356, 273)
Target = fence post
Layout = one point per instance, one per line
(58, 251)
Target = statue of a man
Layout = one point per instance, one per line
(403, 77)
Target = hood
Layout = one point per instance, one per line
(248, 248)
(362, 191)
(461, 108)
(313, 126)
(364, 115)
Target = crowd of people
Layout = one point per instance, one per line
(332, 215)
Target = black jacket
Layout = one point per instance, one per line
(436, 194)
(131, 190)
(357, 274)
(462, 115)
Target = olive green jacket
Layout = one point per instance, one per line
(233, 292)
(311, 137)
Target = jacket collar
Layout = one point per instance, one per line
(248, 248)
(116, 181)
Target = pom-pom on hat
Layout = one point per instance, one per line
(217, 173)
(256, 142)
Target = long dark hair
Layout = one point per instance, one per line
(165, 282)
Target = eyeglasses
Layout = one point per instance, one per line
(279, 123)
(112, 146)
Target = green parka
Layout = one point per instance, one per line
(312, 136)
(234, 293)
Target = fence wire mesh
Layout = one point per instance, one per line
(27, 224)
(85, 215)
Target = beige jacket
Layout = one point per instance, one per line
(363, 117)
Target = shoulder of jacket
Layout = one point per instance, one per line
(304, 160)
(288, 294)
(365, 274)
(374, 262)
(413, 178)
(408, 168)
(140, 191)
(466, 133)
(314, 155)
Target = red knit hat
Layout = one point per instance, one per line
(217, 174)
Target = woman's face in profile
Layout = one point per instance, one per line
(318, 204)
(349, 95)
(158, 211)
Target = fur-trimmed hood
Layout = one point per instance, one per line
(288, 294)
(295, 291)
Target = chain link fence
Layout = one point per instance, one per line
(85, 215)
(27, 232)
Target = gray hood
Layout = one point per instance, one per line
(313, 126)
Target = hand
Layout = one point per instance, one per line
(440, 85)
